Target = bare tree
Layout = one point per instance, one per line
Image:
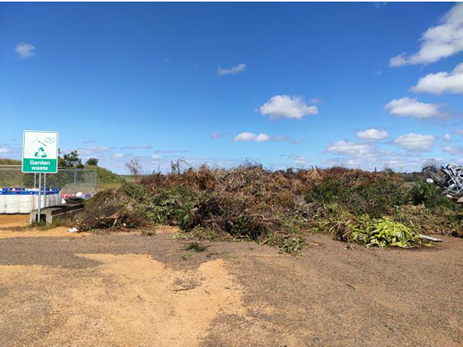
(134, 167)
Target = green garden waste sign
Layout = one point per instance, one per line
(40, 152)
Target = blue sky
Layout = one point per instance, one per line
(285, 84)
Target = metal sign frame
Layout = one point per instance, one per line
(40, 161)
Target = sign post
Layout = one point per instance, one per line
(40, 155)
(45, 188)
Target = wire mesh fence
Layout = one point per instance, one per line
(69, 180)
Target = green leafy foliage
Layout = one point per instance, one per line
(92, 161)
(70, 160)
(171, 206)
(134, 191)
(380, 232)
(374, 195)
(383, 232)
(429, 195)
(292, 244)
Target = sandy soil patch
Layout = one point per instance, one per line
(15, 226)
(166, 229)
(13, 220)
(128, 300)
(131, 290)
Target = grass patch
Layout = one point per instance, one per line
(44, 226)
(148, 232)
(195, 246)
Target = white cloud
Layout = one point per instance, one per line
(251, 137)
(441, 82)
(393, 163)
(118, 155)
(262, 138)
(300, 161)
(399, 163)
(437, 42)
(92, 150)
(215, 135)
(25, 50)
(416, 142)
(354, 155)
(347, 147)
(371, 134)
(287, 107)
(371, 157)
(157, 157)
(171, 152)
(245, 137)
(453, 150)
(407, 107)
(137, 147)
(11, 150)
(458, 131)
(447, 138)
(232, 71)
(379, 159)
(398, 60)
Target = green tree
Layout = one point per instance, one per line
(92, 162)
(70, 160)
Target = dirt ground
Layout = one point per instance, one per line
(66, 289)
